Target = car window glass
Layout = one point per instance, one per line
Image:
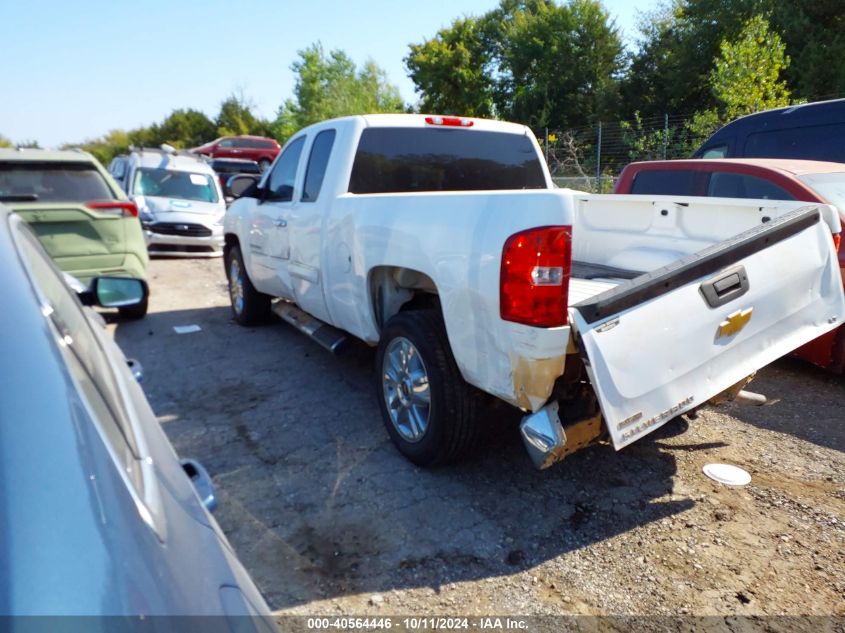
(226, 143)
(819, 142)
(730, 185)
(86, 360)
(181, 185)
(281, 181)
(717, 151)
(53, 182)
(317, 161)
(392, 160)
(675, 182)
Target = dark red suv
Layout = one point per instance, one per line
(258, 148)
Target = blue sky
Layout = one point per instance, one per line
(74, 70)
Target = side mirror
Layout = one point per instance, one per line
(243, 186)
(115, 292)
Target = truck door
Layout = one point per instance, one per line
(269, 236)
(307, 229)
(669, 340)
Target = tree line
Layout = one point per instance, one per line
(560, 65)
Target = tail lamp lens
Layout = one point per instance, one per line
(114, 207)
(534, 280)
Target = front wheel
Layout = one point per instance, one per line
(248, 305)
(427, 408)
(263, 164)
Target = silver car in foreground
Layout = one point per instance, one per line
(98, 517)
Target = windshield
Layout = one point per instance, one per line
(182, 185)
(831, 187)
(52, 182)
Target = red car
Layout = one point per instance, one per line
(258, 148)
(758, 178)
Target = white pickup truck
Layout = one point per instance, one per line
(444, 242)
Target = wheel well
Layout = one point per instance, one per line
(229, 240)
(394, 289)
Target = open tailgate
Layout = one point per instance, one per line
(668, 341)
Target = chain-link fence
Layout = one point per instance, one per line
(590, 158)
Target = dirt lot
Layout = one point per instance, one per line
(329, 519)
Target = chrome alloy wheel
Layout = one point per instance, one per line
(236, 285)
(406, 390)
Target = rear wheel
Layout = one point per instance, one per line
(248, 305)
(427, 408)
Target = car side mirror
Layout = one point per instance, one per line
(114, 292)
(243, 186)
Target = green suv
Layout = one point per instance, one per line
(81, 216)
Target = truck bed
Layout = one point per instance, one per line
(589, 280)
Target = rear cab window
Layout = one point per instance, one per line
(398, 160)
(46, 181)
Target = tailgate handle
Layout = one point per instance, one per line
(727, 286)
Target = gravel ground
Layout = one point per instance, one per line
(330, 519)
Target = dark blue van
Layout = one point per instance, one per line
(811, 131)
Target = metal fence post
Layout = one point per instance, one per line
(665, 135)
(598, 162)
(547, 145)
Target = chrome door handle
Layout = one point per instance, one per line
(280, 222)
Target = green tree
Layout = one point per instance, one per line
(236, 118)
(5, 142)
(747, 74)
(814, 34)
(187, 128)
(670, 72)
(328, 87)
(451, 70)
(534, 61)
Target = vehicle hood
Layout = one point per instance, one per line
(172, 209)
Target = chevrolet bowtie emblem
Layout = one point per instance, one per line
(734, 323)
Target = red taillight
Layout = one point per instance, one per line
(452, 121)
(836, 241)
(534, 281)
(116, 207)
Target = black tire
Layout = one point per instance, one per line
(451, 429)
(263, 164)
(138, 311)
(249, 307)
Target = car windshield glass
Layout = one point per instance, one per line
(174, 184)
(52, 182)
(830, 186)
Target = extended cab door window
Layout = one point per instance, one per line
(282, 178)
(317, 161)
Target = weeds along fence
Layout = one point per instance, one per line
(590, 158)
